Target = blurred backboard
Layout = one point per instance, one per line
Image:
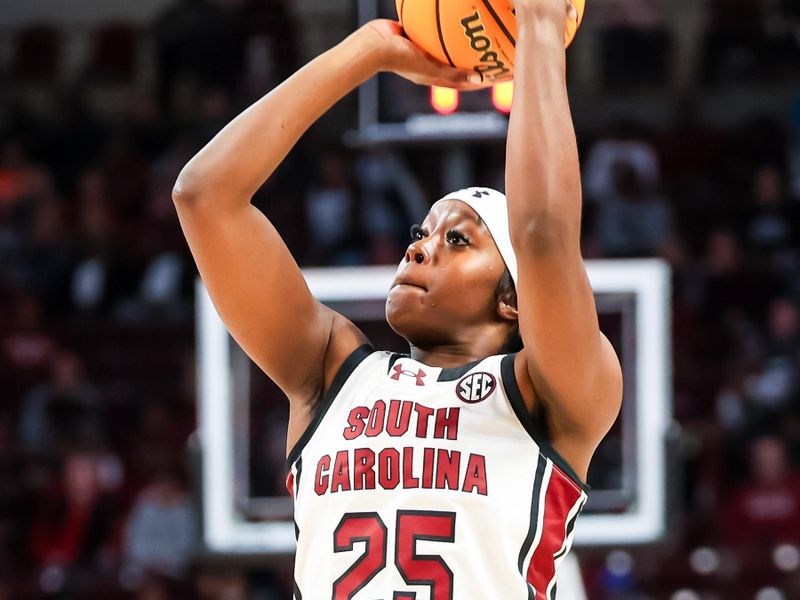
(242, 415)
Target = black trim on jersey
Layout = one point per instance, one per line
(541, 465)
(348, 366)
(456, 373)
(297, 594)
(570, 527)
(393, 359)
(445, 374)
(515, 397)
(297, 477)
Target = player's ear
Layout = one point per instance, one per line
(506, 311)
(506, 298)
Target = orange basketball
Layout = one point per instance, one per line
(471, 34)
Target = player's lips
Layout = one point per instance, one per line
(408, 282)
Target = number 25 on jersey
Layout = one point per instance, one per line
(415, 569)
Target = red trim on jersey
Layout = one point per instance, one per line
(560, 497)
(290, 483)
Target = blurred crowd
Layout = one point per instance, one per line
(96, 287)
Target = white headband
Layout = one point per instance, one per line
(492, 208)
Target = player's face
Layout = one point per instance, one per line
(444, 289)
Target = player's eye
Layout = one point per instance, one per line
(416, 232)
(457, 238)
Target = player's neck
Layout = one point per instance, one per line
(450, 356)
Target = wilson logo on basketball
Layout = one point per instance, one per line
(490, 65)
(475, 387)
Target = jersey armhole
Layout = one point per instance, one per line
(342, 375)
(511, 388)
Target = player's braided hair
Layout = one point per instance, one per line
(506, 292)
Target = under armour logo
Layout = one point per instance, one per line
(398, 370)
(479, 193)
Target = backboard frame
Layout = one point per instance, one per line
(649, 280)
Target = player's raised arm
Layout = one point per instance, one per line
(253, 280)
(574, 370)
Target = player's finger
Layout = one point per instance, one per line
(461, 82)
(463, 87)
(437, 70)
(431, 68)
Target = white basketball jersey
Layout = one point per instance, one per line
(415, 482)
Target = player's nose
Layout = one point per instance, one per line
(417, 252)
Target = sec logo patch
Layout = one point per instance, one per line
(475, 387)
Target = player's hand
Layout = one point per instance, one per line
(398, 54)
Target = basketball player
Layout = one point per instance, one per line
(456, 471)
